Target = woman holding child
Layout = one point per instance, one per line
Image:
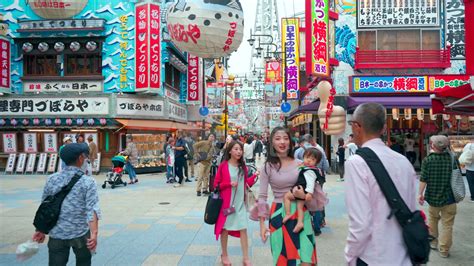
(280, 171)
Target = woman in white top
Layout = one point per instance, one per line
(249, 148)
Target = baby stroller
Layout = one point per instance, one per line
(114, 177)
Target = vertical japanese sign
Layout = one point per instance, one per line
(291, 56)
(9, 143)
(123, 78)
(155, 48)
(30, 142)
(50, 142)
(193, 78)
(141, 46)
(317, 29)
(272, 72)
(455, 31)
(4, 65)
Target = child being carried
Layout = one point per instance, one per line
(307, 177)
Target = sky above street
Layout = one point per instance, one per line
(240, 61)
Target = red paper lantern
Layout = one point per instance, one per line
(69, 121)
(25, 122)
(13, 122)
(36, 121)
(57, 121)
(103, 121)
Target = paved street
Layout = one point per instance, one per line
(152, 223)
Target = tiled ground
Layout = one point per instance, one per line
(137, 230)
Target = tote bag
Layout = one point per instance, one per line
(457, 182)
(213, 207)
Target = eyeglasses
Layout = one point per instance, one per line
(351, 122)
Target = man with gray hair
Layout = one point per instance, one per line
(370, 232)
(435, 177)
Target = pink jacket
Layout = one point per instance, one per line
(223, 180)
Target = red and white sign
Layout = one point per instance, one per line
(50, 142)
(273, 72)
(193, 78)
(29, 140)
(4, 64)
(148, 48)
(9, 143)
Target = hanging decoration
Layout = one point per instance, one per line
(57, 121)
(446, 117)
(36, 121)
(2, 122)
(103, 121)
(395, 114)
(13, 122)
(207, 29)
(27, 47)
(69, 121)
(432, 116)
(91, 46)
(407, 113)
(59, 47)
(48, 122)
(43, 46)
(79, 122)
(420, 114)
(90, 121)
(25, 121)
(75, 46)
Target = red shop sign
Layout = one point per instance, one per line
(193, 78)
(142, 52)
(155, 48)
(4, 64)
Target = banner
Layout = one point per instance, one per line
(193, 78)
(10, 167)
(454, 28)
(291, 56)
(5, 65)
(273, 72)
(9, 143)
(30, 165)
(20, 165)
(317, 27)
(155, 47)
(50, 142)
(30, 143)
(41, 168)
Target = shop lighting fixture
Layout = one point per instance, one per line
(40, 130)
(83, 130)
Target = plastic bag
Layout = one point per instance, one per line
(26, 250)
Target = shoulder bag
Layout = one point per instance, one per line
(213, 206)
(457, 182)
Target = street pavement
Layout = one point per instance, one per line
(153, 223)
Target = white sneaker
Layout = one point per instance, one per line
(177, 185)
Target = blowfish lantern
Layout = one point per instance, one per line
(206, 28)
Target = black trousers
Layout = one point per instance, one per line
(179, 168)
(58, 250)
(361, 263)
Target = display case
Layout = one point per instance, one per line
(150, 152)
(458, 142)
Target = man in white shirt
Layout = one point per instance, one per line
(373, 239)
(410, 149)
(351, 146)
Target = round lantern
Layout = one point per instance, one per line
(48, 122)
(2, 122)
(27, 47)
(75, 46)
(103, 121)
(69, 121)
(79, 122)
(36, 121)
(91, 46)
(43, 47)
(59, 47)
(57, 122)
(25, 121)
(90, 121)
(13, 122)
(207, 30)
(57, 11)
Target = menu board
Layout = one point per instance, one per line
(50, 142)
(42, 163)
(29, 139)
(10, 163)
(9, 142)
(30, 165)
(20, 166)
(53, 160)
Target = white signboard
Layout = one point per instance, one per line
(50, 142)
(9, 142)
(96, 164)
(30, 142)
(42, 163)
(30, 165)
(10, 163)
(60, 86)
(54, 106)
(60, 24)
(140, 107)
(20, 166)
(273, 110)
(171, 94)
(177, 112)
(53, 160)
(455, 31)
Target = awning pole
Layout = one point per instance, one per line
(460, 100)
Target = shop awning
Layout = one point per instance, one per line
(392, 102)
(161, 125)
(310, 108)
(458, 100)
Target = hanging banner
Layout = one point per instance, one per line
(317, 28)
(10, 163)
(42, 163)
(148, 48)
(20, 166)
(30, 143)
(50, 142)
(455, 31)
(193, 78)
(4, 65)
(291, 57)
(30, 165)
(273, 72)
(53, 159)
(9, 143)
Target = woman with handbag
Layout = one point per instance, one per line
(232, 179)
(280, 171)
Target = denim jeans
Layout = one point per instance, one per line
(169, 172)
(317, 219)
(131, 171)
(58, 251)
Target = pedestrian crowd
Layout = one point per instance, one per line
(294, 170)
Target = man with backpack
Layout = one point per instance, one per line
(375, 235)
(77, 217)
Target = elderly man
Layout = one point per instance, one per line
(204, 147)
(435, 177)
(78, 224)
(373, 239)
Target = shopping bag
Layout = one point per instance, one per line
(213, 207)
(457, 182)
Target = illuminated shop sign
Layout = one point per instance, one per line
(291, 56)
(61, 24)
(317, 44)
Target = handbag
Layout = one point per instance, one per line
(457, 182)
(213, 207)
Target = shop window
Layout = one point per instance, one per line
(169, 74)
(41, 65)
(431, 39)
(83, 64)
(391, 40)
(367, 40)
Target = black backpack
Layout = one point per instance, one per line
(414, 229)
(48, 212)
